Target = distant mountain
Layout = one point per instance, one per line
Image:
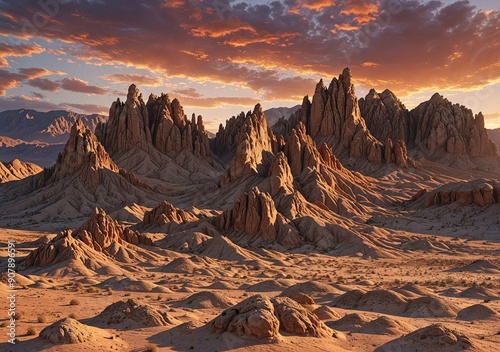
(38, 137)
(274, 114)
(495, 136)
(50, 127)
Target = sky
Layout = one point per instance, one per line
(221, 57)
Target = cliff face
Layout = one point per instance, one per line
(82, 154)
(159, 121)
(435, 126)
(256, 143)
(335, 112)
(385, 116)
(440, 125)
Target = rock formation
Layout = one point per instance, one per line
(82, 154)
(68, 331)
(386, 117)
(132, 314)
(440, 125)
(17, 170)
(263, 318)
(100, 233)
(477, 192)
(226, 139)
(435, 126)
(166, 213)
(430, 338)
(256, 145)
(335, 113)
(159, 121)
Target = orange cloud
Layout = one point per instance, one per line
(134, 78)
(217, 102)
(370, 64)
(80, 86)
(8, 50)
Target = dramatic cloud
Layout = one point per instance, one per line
(278, 50)
(134, 78)
(44, 84)
(80, 86)
(9, 80)
(9, 50)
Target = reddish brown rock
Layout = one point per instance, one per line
(440, 125)
(477, 192)
(100, 233)
(262, 317)
(386, 117)
(166, 213)
(256, 143)
(82, 154)
(161, 122)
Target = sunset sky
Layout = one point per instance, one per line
(221, 57)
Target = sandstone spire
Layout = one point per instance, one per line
(161, 122)
(440, 125)
(256, 144)
(82, 153)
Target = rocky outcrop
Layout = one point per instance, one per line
(254, 217)
(263, 318)
(100, 233)
(438, 125)
(398, 154)
(68, 331)
(17, 170)
(82, 154)
(256, 145)
(335, 113)
(430, 338)
(385, 116)
(132, 314)
(159, 121)
(172, 131)
(477, 192)
(226, 139)
(128, 123)
(166, 213)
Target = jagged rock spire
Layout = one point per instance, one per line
(160, 121)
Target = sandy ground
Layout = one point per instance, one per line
(390, 288)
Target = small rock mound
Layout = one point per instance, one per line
(385, 326)
(326, 313)
(262, 317)
(479, 266)
(429, 307)
(479, 293)
(132, 314)
(311, 288)
(68, 331)
(435, 337)
(477, 312)
(180, 266)
(205, 300)
(267, 286)
(351, 322)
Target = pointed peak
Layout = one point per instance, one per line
(258, 110)
(133, 93)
